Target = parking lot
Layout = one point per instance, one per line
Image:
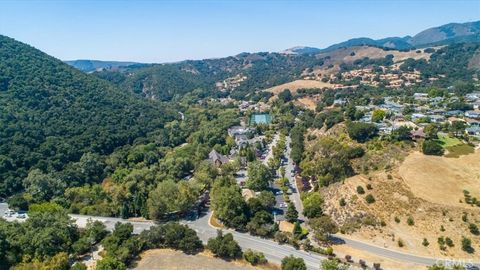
(11, 215)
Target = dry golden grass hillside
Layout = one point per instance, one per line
(426, 190)
(442, 180)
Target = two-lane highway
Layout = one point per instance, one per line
(273, 251)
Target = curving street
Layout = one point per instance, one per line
(273, 251)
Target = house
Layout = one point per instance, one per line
(417, 134)
(454, 119)
(238, 130)
(416, 116)
(420, 96)
(472, 96)
(217, 158)
(367, 118)
(473, 131)
(476, 105)
(339, 101)
(437, 118)
(409, 124)
(473, 114)
(435, 100)
(241, 141)
(473, 122)
(383, 128)
(454, 113)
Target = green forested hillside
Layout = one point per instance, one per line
(165, 81)
(52, 114)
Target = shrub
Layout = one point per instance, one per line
(224, 246)
(425, 242)
(360, 190)
(332, 265)
(473, 229)
(467, 245)
(397, 220)
(431, 147)
(342, 202)
(442, 229)
(465, 217)
(361, 132)
(410, 221)
(281, 237)
(369, 187)
(400, 243)
(449, 242)
(79, 266)
(293, 263)
(109, 263)
(254, 257)
(370, 199)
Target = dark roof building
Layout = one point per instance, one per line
(217, 158)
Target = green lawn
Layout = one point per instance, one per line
(447, 141)
(458, 150)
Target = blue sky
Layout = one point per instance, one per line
(164, 31)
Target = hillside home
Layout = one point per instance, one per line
(473, 131)
(401, 123)
(339, 102)
(473, 122)
(476, 105)
(453, 99)
(418, 134)
(435, 100)
(437, 118)
(472, 114)
(454, 113)
(472, 96)
(383, 128)
(420, 96)
(416, 116)
(454, 119)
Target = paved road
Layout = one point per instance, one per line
(272, 250)
(295, 196)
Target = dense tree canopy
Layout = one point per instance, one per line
(51, 114)
(259, 176)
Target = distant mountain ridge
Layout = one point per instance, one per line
(96, 65)
(441, 35)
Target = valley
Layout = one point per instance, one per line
(360, 155)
